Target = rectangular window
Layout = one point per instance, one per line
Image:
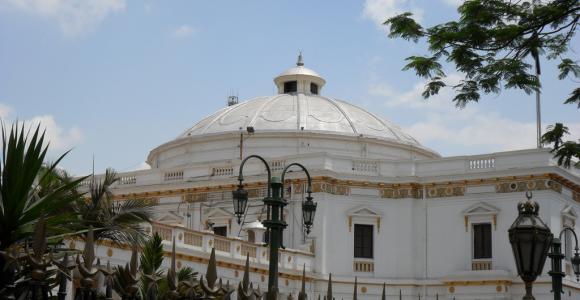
(290, 87)
(363, 241)
(481, 241)
(220, 230)
(314, 88)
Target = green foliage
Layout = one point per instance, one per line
(151, 259)
(567, 66)
(564, 152)
(152, 255)
(574, 97)
(491, 45)
(22, 204)
(117, 221)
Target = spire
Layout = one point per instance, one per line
(329, 290)
(300, 61)
(354, 295)
(384, 296)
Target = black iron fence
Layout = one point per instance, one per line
(36, 271)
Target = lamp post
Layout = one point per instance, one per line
(275, 223)
(556, 256)
(531, 240)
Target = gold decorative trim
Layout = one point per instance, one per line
(349, 223)
(388, 190)
(477, 282)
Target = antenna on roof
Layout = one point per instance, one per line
(232, 99)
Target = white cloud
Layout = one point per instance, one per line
(454, 3)
(379, 11)
(5, 111)
(183, 31)
(413, 98)
(60, 139)
(74, 17)
(443, 125)
(487, 131)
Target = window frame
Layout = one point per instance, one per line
(288, 84)
(372, 241)
(473, 239)
(220, 226)
(314, 86)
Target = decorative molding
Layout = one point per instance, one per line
(518, 186)
(326, 184)
(349, 223)
(364, 212)
(481, 209)
(569, 216)
(169, 218)
(401, 192)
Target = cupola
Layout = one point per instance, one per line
(299, 79)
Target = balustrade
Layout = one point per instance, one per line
(364, 266)
(481, 265)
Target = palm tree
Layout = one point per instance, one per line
(152, 276)
(117, 221)
(554, 135)
(566, 152)
(22, 203)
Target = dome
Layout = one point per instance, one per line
(296, 121)
(299, 70)
(299, 112)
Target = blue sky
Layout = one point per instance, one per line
(116, 78)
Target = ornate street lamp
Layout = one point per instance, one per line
(240, 202)
(530, 239)
(275, 223)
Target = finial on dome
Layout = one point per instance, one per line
(300, 61)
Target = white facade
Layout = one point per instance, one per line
(366, 170)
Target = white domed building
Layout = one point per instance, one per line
(390, 210)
